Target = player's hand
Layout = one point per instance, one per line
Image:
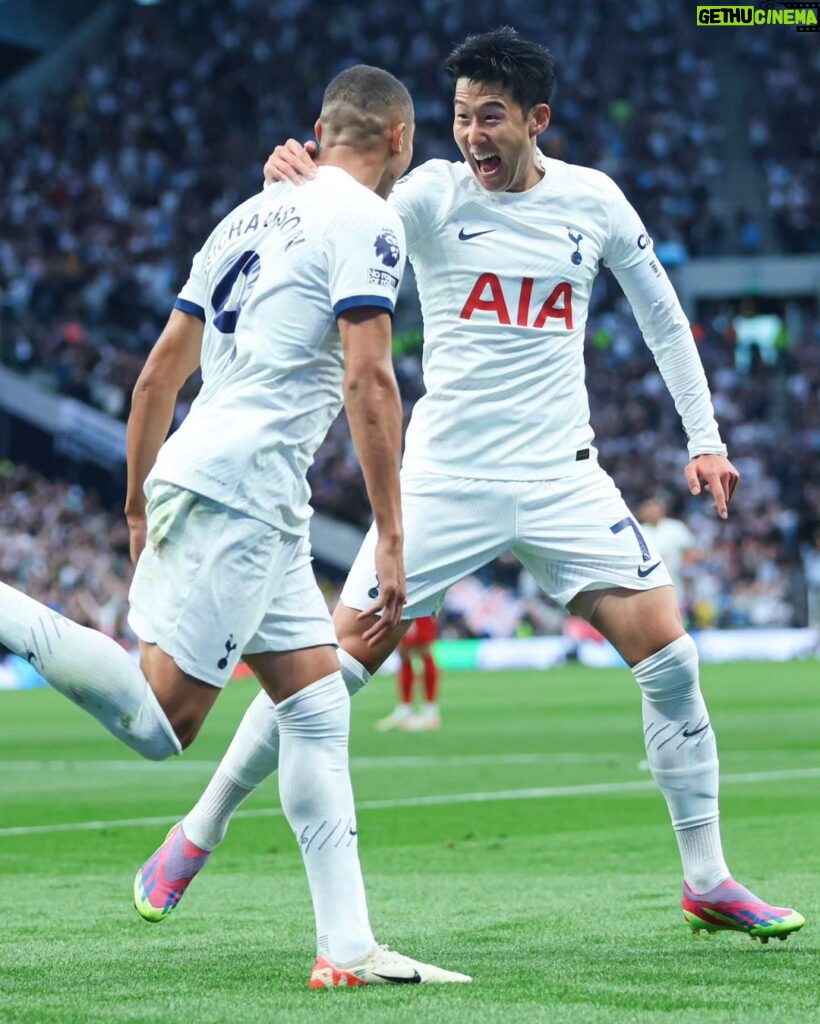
(138, 531)
(392, 592)
(718, 476)
(291, 162)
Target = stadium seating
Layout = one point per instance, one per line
(112, 183)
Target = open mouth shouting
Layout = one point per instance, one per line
(488, 166)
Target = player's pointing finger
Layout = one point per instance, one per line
(719, 495)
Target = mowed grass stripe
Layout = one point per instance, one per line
(358, 763)
(433, 800)
(410, 761)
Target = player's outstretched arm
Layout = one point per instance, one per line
(667, 333)
(719, 477)
(374, 412)
(291, 162)
(172, 361)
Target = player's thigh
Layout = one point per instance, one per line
(185, 700)
(283, 673)
(204, 581)
(638, 623)
(452, 527)
(577, 534)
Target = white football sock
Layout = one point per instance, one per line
(354, 673)
(252, 756)
(702, 856)
(207, 821)
(682, 756)
(317, 798)
(91, 669)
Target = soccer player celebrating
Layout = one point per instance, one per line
(223, 567)
(499, 451)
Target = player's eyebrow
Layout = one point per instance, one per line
(481, 104)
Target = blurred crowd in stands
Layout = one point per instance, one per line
(60, 545)
(113, 183)
(761, 568)
(784, 132)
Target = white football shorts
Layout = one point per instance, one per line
(574, 533)
(213, 584)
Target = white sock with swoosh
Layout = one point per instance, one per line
(317, 798)
(252, 756)
(682, 756)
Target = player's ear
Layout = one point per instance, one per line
(318, 130)
(398, 138)
(539, 119)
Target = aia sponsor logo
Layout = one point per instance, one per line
(488, 296)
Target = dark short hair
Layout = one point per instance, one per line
(526, 69)
(371, 91)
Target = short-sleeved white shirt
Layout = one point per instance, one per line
(504, 281)
(268, 284)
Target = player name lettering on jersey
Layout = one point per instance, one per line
(284, 218)
(268, 284)
(489, 295)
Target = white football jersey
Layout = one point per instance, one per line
(504, 281)
(268, 284)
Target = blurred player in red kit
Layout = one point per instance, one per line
(416, 644)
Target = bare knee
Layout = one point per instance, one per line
(186, 726)
(184, 700)
(186, 709)
(350, 630)
(638, 623)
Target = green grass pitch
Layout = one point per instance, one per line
(523, 844)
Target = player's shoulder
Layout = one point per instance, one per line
(346, 212)
(582, 180)
(432, 171)
(357, 221)
(434, 181)
(344, 198)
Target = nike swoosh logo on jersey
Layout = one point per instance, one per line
(464, 237)
(643, 573)
(694, 732)
(414, 979)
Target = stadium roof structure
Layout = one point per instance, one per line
(29, 29)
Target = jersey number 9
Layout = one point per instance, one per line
(227, 300)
